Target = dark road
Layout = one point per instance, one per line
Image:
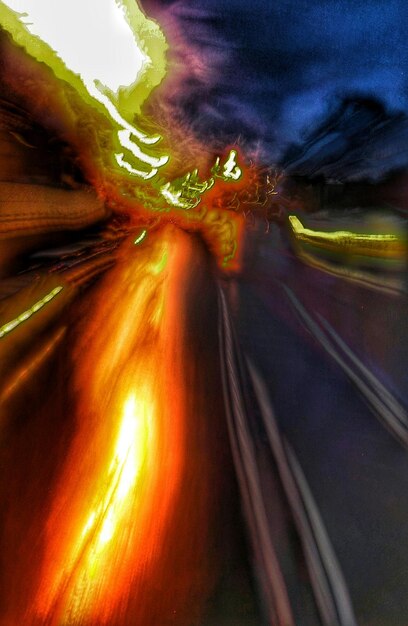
(325, 412)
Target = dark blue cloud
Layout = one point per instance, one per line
(273, 71)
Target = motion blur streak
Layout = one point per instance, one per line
(123, 469)
(141, 237)
(376, 245)
(6, 328)
(29, 366)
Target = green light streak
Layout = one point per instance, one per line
(7, 328)
(160, 265)
(140, 238)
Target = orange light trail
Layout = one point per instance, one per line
(122, 472)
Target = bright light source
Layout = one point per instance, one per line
(92, 37)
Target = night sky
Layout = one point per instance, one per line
(276, 74)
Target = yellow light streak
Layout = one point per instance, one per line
(141, 237)
(186, 192)
(120, 159)
(374, 245)
(7, 328)
(231, 168)
(173, 197)
(125, 141)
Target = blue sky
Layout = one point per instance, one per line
(274, 70)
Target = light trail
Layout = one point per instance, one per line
(140, 237)
(7, 328)
(112, 478)
(374, 245)
(111, 507)
(30, 366)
